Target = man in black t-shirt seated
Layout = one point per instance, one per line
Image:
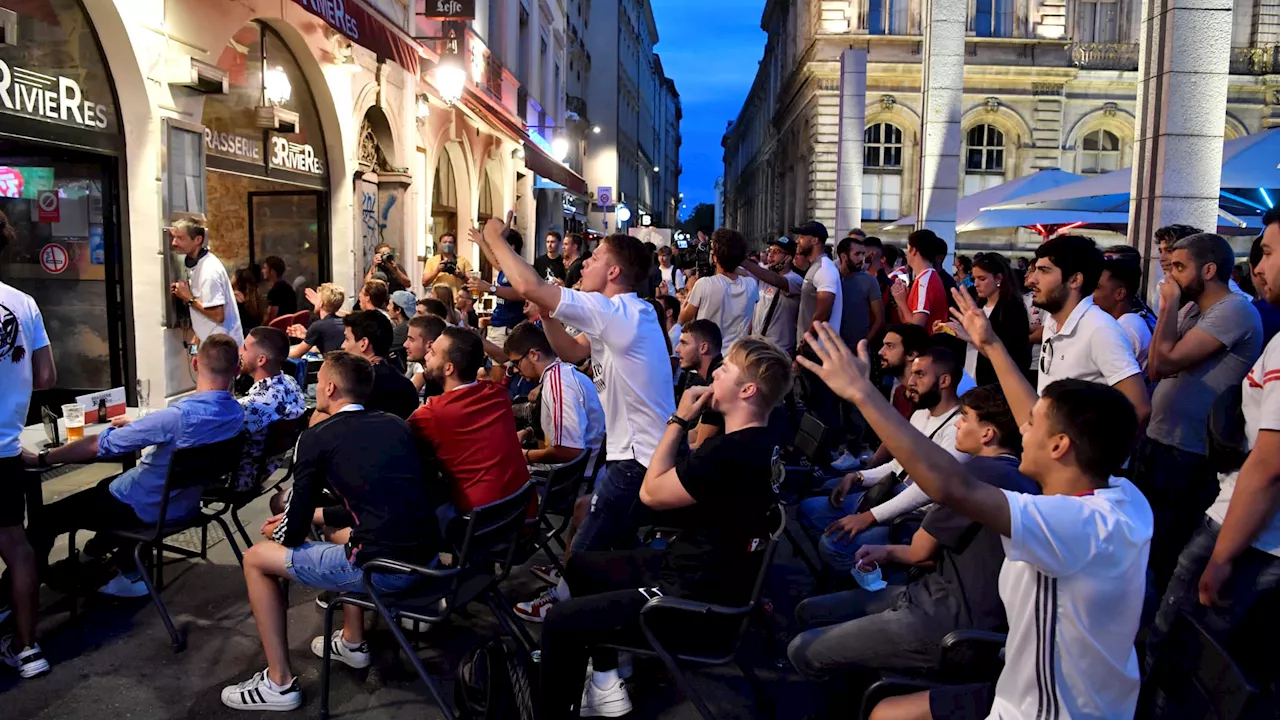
(724, 492)
(901, 627)
(368, 334)
(325, 334)
(378, 509)
(699, 353)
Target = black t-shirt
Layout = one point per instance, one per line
(723, 535)
(282, 296)
(963, 590)
(549, 265)
(326, 334)
(392, 392)
(573, 273)
(693, 379)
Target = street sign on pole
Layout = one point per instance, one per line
(604, 196)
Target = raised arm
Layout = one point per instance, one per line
(519, 272)
(936, 471)
(766, 275)
(1017, 391)
(573, 350)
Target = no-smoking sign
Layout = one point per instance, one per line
(47, 205)
(53, 258)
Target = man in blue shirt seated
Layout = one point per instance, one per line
(132, 499)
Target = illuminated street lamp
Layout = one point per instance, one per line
(451, 78)
(560, 148)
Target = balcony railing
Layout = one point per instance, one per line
(1263, 60)
(575, 104)
(493, 75)
(1105, 56)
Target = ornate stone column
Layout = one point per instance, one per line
(853, 120)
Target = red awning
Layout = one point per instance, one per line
(368, 29)
(537, 160)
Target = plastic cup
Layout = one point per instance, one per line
(73, 415)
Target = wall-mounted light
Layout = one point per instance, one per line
(624, 213)
(657, 169)
(560, 148)
(451, 79)
(518, 153)
(596, 129)
(424, 107)
(276, 88)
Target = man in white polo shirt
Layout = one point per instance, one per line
(1231, 566)
(1081, 341)
(623, 338)
(207, 292)
(1074, 574)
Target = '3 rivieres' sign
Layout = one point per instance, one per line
(46, 97)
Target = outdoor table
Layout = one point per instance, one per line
(34, 439)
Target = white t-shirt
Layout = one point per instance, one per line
(673, 276)
(571, 412)
(822, 276)
(1139, 334)
(674, 335)
(971, 352)
(727, 302)
(1261, 404)
(1072, 584)
(631, 368)
(1035, 316)
(1090, 346)
(782, 326)
(942, 431)
(21, 334)
(211, 286)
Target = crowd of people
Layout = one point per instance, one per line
(1022, 447)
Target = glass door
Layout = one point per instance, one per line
(293, 226)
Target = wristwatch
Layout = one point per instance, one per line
(675, 419)
(493, 289)
(191, 302)
(42, 460)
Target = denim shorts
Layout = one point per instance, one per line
(325, 566)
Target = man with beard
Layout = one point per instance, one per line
(779, 307)
(470, 429)
(551, 265)
(902, 343)
(931, 387)
(274, 396)
(1081, 341)
(863, 315)
(423, 330)
(1196, 354)
(699, 353)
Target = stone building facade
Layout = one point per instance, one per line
(1047, 84)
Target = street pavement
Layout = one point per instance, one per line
(113, 660)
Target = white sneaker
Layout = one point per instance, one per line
(612, 701)
(28, 661)
(546, 573)
(357, 658)
(254, 694)
(122, 587)
(536, 610)
(845, 462)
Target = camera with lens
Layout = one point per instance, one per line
(696, 256)
(449, 267)
(385, 257)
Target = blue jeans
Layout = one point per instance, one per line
(1254, 584)
(326, 566)
(816, 514)
(616, 511)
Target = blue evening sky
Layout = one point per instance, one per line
(710, 48)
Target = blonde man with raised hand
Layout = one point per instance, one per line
(326, 334)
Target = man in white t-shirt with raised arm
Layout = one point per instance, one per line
(207, 291)
(725, 298)
(26, 364)
(1231, 566)
(1074, 574)
(779, 307)
(623, 338)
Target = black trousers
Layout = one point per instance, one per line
(1180, 486)
(599, 612)
(92, 509)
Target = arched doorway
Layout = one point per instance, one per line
(380, 190)
(444, 200)
(60, 184)
(268, 176)
(486, 208)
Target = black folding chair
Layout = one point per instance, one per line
(491, 534)
(192, 467)
(559, 491)
(282, 437)
(671, 607)
(968, 657)
(1194, 677)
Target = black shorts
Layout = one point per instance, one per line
(962, 702)
(15, 484)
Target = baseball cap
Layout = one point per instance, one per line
(406, 301)
(785, 244)
(813, 228)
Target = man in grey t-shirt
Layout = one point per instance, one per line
(1197, 354)
(863, 315)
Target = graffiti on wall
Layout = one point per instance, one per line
(370, 227)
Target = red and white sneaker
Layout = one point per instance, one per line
(536, 610)
(546, 573)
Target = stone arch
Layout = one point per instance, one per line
(1234, 127)
(1109, 118)
(1014, 128)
